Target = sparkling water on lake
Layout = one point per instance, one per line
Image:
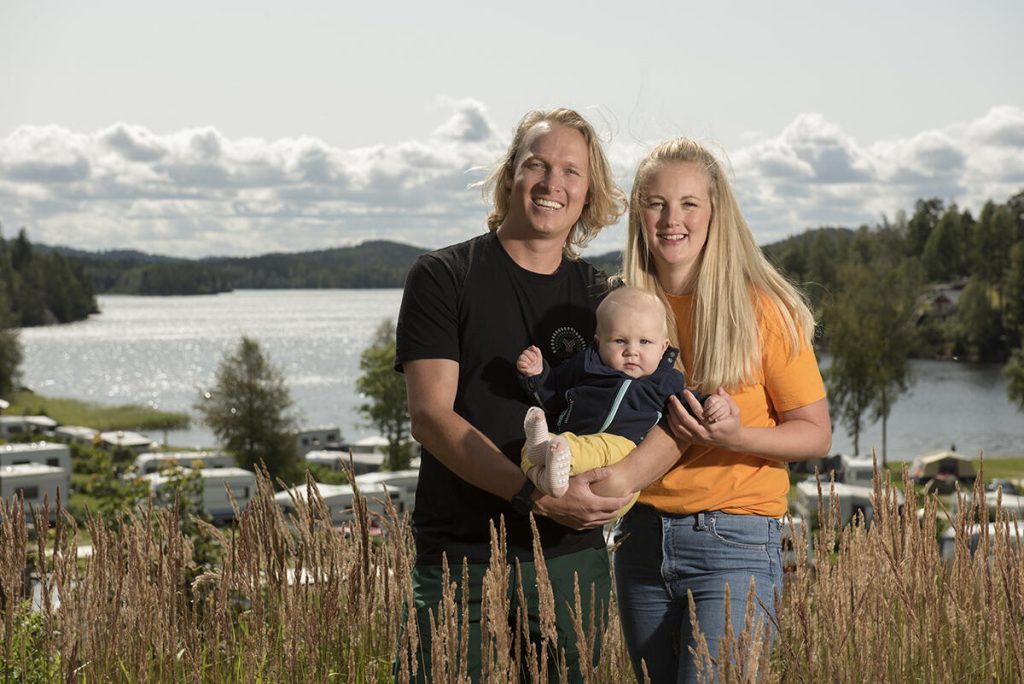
(162, 351)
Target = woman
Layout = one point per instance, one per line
(744, 332)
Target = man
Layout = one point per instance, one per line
(467, 312)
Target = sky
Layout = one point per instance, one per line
(238, 128)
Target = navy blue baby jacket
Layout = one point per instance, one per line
(600, 399)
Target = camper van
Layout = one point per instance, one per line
(851, 498)
(155, 461)
(123, 439)
(35, 482)
(76, 434)
(857, 471)
(329, 458)
(944, 468)
(45, 453)
(1012, 504)
(402, 482)
(947, 539)
(338, 498)
(314, 439)
(215, 497)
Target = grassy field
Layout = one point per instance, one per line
(291, 599)
(97, 416)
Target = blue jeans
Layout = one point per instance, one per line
(666, 555)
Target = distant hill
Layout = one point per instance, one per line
(372, 264)
(108, 255)
(610, 263)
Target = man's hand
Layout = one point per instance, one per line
(579, 508)
(530, 362)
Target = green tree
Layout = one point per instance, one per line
(992, 237)
(851, 375)
(1013, 306)
(943, 257)
(897, 287)
(104, 485)
(43, 288)
(921, 224)
(978, 327)
(871, 335)
(249, 410)
(1014, 372)
(387, 407)
(10, 348)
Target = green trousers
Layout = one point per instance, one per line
(591, 566)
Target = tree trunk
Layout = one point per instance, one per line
(885, 423)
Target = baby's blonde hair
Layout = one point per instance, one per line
(627, 297)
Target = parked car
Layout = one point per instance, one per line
(1008, 487)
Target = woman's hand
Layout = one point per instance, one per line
(723, 433)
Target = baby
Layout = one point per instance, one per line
(615, 391)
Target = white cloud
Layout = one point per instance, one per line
(196, 192)
(813, 174)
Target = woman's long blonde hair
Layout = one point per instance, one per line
(736, 285)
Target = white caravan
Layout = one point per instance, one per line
(35, 482)
(45, 453)
(215, 497)
(155, 461)
(338, 499)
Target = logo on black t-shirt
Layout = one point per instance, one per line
(565, 342)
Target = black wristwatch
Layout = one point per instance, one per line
(522, 502)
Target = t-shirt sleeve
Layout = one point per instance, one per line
(428, 325)
(789, 382)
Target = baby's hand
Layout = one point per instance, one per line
(530, 362)
(715, 409)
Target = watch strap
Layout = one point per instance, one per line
(522, 501)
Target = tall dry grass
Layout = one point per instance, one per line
(292, 599)
(879, 605)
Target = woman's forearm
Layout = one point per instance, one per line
(802, 434)
(645, 464)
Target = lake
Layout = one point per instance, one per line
(163, 351)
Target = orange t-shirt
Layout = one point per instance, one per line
(713, 479)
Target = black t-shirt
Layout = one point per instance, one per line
(473, 304)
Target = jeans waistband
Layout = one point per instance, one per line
(697, 516)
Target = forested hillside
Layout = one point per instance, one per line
(41, 287)
(940, 284)
(964, 275)
(376, 264)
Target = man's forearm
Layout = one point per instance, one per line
(462, 448)
(468, 453)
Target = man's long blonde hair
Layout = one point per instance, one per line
(736, 286)
(606, 201)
